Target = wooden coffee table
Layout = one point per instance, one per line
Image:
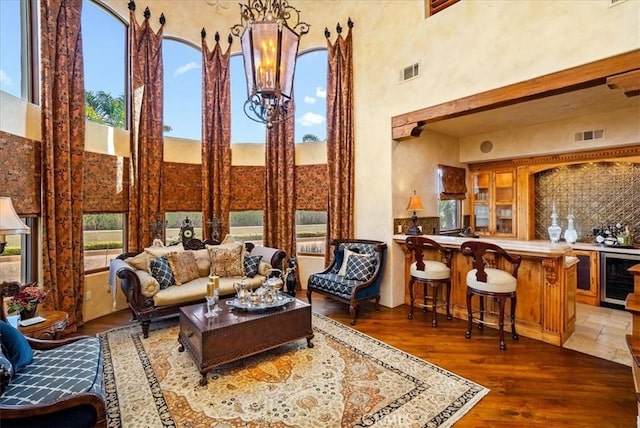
(235, 334)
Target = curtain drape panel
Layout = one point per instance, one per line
(63, 131)
(145, 190)
(453, 183)
(216, 137)
(340, 144)
(280, 187)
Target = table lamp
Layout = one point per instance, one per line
(10, 223)
(415, 204)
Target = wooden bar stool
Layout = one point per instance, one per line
(487, 280)
(434, 273)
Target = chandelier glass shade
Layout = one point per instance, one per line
(270, 34)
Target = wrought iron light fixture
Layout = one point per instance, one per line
(269, 33)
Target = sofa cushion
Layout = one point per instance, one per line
(139, 261)
(203, 261)
(148, 284)
(227, 259)
(161, 271)
(333, 283)
(251, 264)
(194, 291)
(359, 267)
(15, 347)
(57, 373)
(157, 251)
(184, 267)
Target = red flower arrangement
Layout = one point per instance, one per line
(26, 299)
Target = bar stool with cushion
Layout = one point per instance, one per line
(494, 275)
(434, 273)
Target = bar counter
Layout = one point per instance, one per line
(546, 290)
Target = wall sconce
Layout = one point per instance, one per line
(415, 204)
(10, 223)
(269, 50)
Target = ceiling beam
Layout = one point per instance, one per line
(410, 125)
(629, 83)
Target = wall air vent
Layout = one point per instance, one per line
(595, 134)
(410, 72)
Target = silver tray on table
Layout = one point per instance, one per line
(248, 306)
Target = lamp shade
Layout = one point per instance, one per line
(415, 203)
(10, 223)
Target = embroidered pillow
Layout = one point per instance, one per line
(161, 271)
(227, 259)
(203, 261)
(251, 264)
(359, 267)
(345, 257)
(184, 266)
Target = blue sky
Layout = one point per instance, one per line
(104, 41)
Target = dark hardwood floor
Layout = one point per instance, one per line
(532, 383)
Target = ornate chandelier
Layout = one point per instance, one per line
(269, 33)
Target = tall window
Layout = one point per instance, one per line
(17, 261)
(310, 92)
(243, 129)
(311, 230)
(449, 213)
(182, 90)
(16, 48)
(246, 226)
(103, 237)
(104, 48)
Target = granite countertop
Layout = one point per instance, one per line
(603, 248)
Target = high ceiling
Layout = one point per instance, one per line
(598, 99)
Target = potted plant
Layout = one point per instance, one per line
(26, 301)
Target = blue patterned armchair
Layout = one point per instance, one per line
(354, 274)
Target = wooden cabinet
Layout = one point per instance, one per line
(588, 283)
(493, 203)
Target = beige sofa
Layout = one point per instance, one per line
(149, 300)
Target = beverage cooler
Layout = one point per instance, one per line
(616, 281)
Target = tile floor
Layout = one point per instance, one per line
(600, 332)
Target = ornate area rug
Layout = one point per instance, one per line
(348, 379)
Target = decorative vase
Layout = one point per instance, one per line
(29, 313)
(554, 229)
(570, 235)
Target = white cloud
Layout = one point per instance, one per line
(310, 119)
(321, 93)
(309, 100)
(5, 79)
(185, 68)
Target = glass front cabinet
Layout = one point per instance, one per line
(494, 196)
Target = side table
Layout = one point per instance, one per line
(55, 322)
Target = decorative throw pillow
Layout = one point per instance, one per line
(155, 252)
(227, 259)
(251, 264)
(17, 349)
(161, 271)
(203, 261)
(359, 267)
(139, 261)
(184, 266)
(343, 267)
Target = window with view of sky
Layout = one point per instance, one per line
(104, 40)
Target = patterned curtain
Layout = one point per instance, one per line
(340, 146)
(216, 137)
(62, 161)
(453, 183)
(145, 202)
(280, 189)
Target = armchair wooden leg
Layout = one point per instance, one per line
(309, 295)
(377, 307)
(352, 313)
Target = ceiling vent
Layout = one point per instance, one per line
(410, 72)
(595, 134)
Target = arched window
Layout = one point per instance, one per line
(310, 92)
(182, 90)
(104, 48)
